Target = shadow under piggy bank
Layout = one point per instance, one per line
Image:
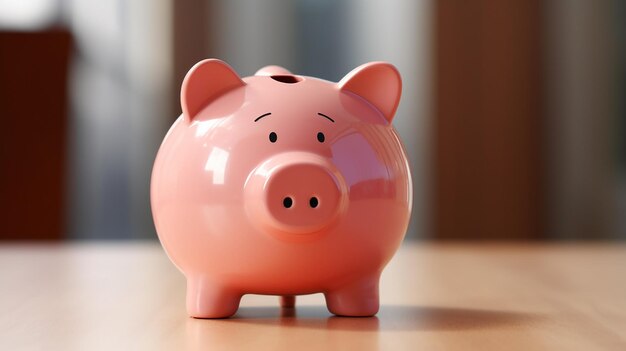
(390, 317)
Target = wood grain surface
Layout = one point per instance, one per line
(128, 296)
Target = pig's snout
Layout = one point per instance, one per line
(296, 192)
(302, 195)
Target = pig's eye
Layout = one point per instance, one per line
(273, 137)
(321, 137)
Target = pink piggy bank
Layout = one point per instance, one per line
(284, 185)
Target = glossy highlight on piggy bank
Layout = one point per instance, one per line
(281, 184)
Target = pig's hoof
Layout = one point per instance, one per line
(223, 309)
(288, 301)
(353, 308)
(206, 301)
(359, 300)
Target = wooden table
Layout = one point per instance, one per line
(127, 296)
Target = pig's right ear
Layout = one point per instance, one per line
(206, 81)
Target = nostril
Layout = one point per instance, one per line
(287, 202)
(313, 202)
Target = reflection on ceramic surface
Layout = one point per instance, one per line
(216, 164)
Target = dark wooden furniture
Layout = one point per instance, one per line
(488, 124)
(33, 131)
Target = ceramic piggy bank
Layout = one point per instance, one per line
(281, 184)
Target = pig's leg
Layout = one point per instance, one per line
(356, 299)
(208, 300)
(287, 301)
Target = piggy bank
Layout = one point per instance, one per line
(281, 184)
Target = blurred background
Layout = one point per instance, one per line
(513, 113)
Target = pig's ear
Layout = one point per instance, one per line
(377, 82)
(205, 82)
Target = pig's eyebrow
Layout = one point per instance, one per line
(261, 116)
(323, 115)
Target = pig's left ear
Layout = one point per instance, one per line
(377, 82)
(206, 81)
